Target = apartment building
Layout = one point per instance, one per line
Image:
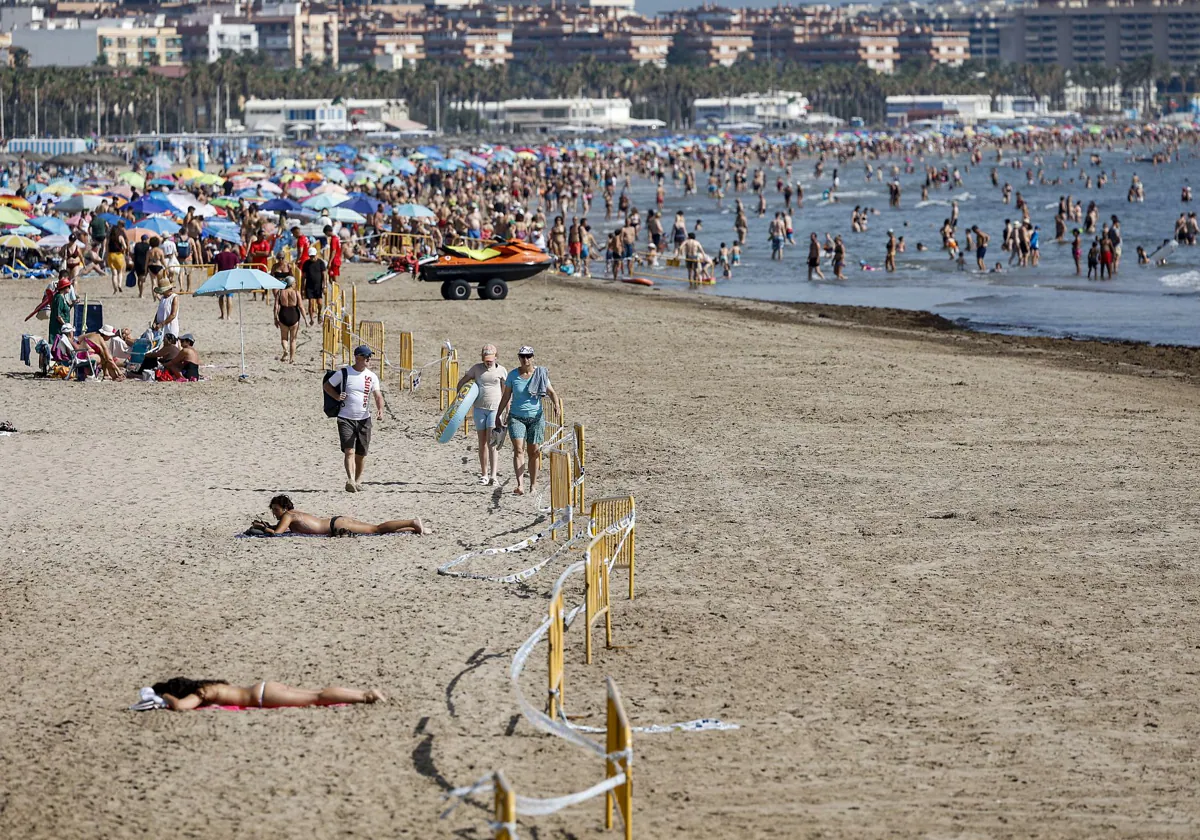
(879, 51)
(939, 47)
(207, 38)
(982, 22)
(117, 42)
(481, 47)
(1071, 32)
(564, 40)
(293, 34)
(715, 47)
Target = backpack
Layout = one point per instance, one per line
(332, 406)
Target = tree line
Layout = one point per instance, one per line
(75, 101)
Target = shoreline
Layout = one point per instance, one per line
(1134, 358)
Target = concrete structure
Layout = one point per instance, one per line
(982, 22)
(877, 50)
(1079, 32)
(564, 40)
(546, 114)
(716, 47)
(777, 109)
(323, 116)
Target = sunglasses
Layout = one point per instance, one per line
(524, 355)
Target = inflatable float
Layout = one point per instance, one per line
(456, 412)
(638, 281)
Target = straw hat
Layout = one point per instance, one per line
(164, 288)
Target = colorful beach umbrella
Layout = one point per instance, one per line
(12, 240)
(9, 216)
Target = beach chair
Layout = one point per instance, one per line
(83, 367)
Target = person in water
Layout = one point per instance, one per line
(183, 694)
(299, 522)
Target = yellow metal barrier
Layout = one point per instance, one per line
(448, 378)
(405, 360)
(578, 469)
(619, 760)
(394, 244)
(561, 496)
(188, 272)
(505, 808)
(374, 335)
(331, 342)
(596, 596)
(555, 665)
(606, 513)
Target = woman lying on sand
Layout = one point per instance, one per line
(299, 522)
(183, 694)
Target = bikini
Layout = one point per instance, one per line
(262, 687)
(333, 525)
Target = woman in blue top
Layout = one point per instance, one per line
(524, 388)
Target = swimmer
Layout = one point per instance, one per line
(298, 522)
(183, 694)
(998, 269)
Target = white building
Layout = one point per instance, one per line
(207, 37)
(324, 116)
(779, 108)
(963, 108)
(544, 114)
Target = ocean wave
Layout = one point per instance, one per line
(1182, 280)
(933, 202)
(963, 196)
(857, 193)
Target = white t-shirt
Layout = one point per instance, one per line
(491, 384)
(358, 390)
(164, 309)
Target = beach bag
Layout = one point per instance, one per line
(130, 280)
(332, 406)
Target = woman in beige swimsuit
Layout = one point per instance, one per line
(183, 694)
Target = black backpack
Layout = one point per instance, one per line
(332, 406)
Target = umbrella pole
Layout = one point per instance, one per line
(242, 330)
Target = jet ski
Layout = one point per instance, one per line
(491, 268)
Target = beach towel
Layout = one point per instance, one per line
(257, 533)
(539, 382)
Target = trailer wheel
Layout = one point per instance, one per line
(458, 290)
(495, 289)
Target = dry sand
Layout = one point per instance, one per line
(946, 584)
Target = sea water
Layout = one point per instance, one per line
(1158, 305)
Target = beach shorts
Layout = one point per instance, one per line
(354, 434)
(574, 249)
(116, 261)
(484, 418)
(529, 429)
(628, 252)
(980, 253)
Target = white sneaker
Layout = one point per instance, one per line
(483, 479)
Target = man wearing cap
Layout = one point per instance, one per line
(354, 418)
(489, 376)
(312, 278)
(60, 307)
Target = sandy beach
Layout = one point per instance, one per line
(945, 583)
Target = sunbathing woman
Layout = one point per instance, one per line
(183, 694)
(299, 522)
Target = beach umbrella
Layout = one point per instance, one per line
(26, 230)
(414, 211)
(345, 214)
(16, 241)
(332, 173)
(323, 201)
(111, 218)
(237, 281)
(187, 173)
(9, 216)
(336, 190)
(360, 203)
(222, 201)
(134, 179)
(150, 204)
(404, 167)
(61, 188)
(51, 224)
(268, 187)
(284, 204)
(15, 201)
(49, 243)
(160, 225)
(225, 233)
(159, 167)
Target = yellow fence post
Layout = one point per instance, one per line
(606, 513)
(374, 335)
(578, 476)
(619, 746)
(505, 807)
(405, 362)
(560, 491)
(449, 378)
(556, 657)
(596, 596)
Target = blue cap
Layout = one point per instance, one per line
(363, 350)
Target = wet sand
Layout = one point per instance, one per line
(944, 582)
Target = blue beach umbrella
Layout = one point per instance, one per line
(151, 204)
(237, 280)
(51, 224)
(414, 211)
(360, 203)
(159, 225)
(284, 204)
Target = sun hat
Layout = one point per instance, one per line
(164, 288)
(66, 328)
(525, 350)
(108, 331)
(63, 283)
(364, 351)
(312, 250)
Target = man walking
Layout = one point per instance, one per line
(354, 419)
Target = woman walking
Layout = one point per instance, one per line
(288, 316)
(489, 375)
(523, 392)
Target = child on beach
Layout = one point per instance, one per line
(735, 255)
(1094, 260)
(723, 260)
